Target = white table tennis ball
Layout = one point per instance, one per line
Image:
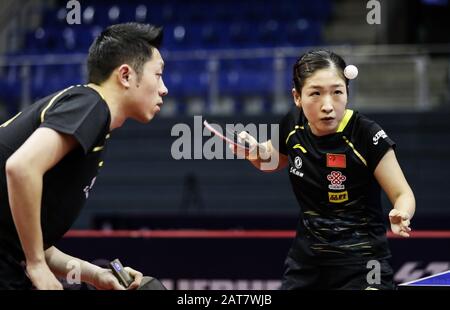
(351, 72)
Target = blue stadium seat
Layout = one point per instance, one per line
(49, 79)
(86, 35)
(175, 37)
(246, 82)
(210, 36)
(197, 24)
(186, 77)
(36, 41)
(90, 15)
(303, 32)
(222, 24)
(115, 14)
(54, 17)
(241, 34)
(270, 34)
(140, 13)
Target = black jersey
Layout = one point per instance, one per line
(341, 219)
(78, 111)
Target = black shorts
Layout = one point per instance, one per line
(357, 276)
(12, 273)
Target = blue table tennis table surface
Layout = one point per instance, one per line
(437, 281)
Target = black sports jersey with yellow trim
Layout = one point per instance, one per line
(341, 219)
(78, 111)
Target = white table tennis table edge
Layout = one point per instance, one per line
(425, 278)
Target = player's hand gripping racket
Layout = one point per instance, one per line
(238, 141)
(121, 274)
(230, 136)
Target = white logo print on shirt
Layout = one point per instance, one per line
(88, 188)
(298, 162)
(336, 179)
(378, 135)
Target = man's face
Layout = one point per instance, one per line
(146, 97)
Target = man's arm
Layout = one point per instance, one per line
(390, 177)
(61, 263)
(25, 169)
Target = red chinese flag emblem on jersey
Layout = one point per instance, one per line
(336, 161)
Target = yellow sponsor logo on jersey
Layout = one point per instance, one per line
(338, 197)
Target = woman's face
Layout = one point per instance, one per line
(323, 100)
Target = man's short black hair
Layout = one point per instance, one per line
(128, 43)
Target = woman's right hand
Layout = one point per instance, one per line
(254, 146)
(42, 277)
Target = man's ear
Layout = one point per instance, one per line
(124, 75)
(297, 98)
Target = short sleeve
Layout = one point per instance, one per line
(373, 141)
(84, 116)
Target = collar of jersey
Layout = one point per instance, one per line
(344, 122)
(342, 125)
(97, 91)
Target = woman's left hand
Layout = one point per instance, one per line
(400, 221)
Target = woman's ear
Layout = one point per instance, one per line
(297, 98)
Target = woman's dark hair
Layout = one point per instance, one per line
(130, 43)
(315, 60)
